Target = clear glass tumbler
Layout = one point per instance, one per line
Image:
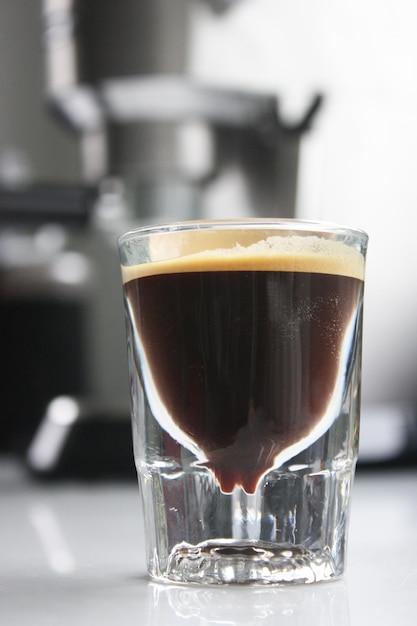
(244, 349)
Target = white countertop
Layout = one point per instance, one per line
(73, 554)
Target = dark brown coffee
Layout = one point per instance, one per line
(244, 361)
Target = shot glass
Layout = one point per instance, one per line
(244, 347)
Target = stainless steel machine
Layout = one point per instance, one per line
(121, 76)
(164, 133)
(158, 142)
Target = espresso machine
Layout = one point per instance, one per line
(159, 140)
(120, 76)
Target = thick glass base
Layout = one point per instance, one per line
(292, 530)
(241, 562)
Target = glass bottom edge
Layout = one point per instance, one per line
(246, 563)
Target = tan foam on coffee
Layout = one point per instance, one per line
(276, 253)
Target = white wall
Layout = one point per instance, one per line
(359, 164)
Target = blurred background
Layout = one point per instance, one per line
(115, 114)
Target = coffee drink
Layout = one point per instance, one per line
(240, 351)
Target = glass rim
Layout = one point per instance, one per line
(284, 224)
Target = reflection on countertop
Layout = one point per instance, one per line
(74, 553)
(321, 604)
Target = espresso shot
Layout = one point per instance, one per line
(244, 362)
